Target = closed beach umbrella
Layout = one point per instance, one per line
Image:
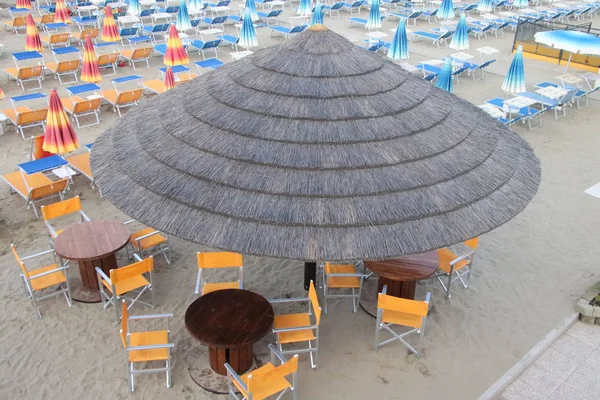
(446, 10)
(460, 39)
(251, 5)
(183, 22)
(514, 82)
(1, 93)
(110, 32)
(61, 14)
(23, 4)
(32, 38)
(89, 67)
(485, 6)
(305, 7)
(374, 19)
(521, 3)
(169, 79)
(175, 54)
(317, 17)
(59, 137)
(399, 47)
(195, 6)
(444, 79)
(574, 42)
(134, 7)
(248, 33)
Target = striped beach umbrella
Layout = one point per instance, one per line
(134, 7)
(514, 82)
(195, 6)
(317, 17)
(183, 22)
(460, 39)
(399, 47)
(175, 54)
(485, 6)
(169, 79)
(23, 4)
(251, 5)
(374, 20)
(32, 37)
(110, 32)
(305, 7)
(248, 33)
(1, 93)
(89, 68)
(521, 3)
(444, 79)
(446, 10)
(61, 14)
(59, 137)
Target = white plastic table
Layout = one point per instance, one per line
(240, 54)
(462, 56)
(520, 102)
(376, 35)
(491, 110)
(128, 19)
(221, 9)
(569, 79)
(552, 92)
(157, 16)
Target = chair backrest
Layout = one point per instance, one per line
(87, 105)
(30, 72)
(47, 190)
(298, 29)
(221, 259)
(145, 13)
(61, 208)
(67, 65)
(37, 148)
(268, 379)
(128, 32)
(405, 306)
(30, 117)
(131, 270)
(219, 20)
(141, 52)
(129, 96)
(91, 32)
(19, 261)
(59, 38)
(472, 243)
(568, 97)
(124, 321)
(314, 301)
(47, 19)
(211, 44)
(107, 59)
(19, 21)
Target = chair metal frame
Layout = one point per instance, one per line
(355, 296)
(396, 336)
(276, 355)
(200, 282)
(463, 274)
(161, 248)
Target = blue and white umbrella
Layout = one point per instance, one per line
(251, 5)
(485, 6)
(305, 7)
(521, 3)
(446, 10)
(399, 48)
(514, 82)
(195, 6)
(248, 33)
(317, 17)
(374, 20)
(574, 42)
(134, 7)
(444, 79)
(183, 22)
(460, 39)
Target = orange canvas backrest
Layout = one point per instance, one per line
(129, 96)
(47, 19)
(406, 306)
(30, 72)
(29, 117)
(472, 243)
(61, 208)
(20, 21)
(124, 321)
(132, 270)
(91, 32)
(266, 379)
(141, 52)
(221, 259)
(59, 38)
(446, 257)
(87, 105)
(47, 190)
(106, 59)
(37, 148)
(314, 301)
(68, 65)
(19, 261)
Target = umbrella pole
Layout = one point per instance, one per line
(568, 62)
(310, 273)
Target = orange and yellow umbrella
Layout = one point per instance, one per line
(175, 54)
(169, 79)
(23, 4)
(61, 14)
(89, 68)
(1, 93)
(59, 137)
(110, 32)
(32, 38)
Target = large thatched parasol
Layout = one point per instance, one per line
(315, 149)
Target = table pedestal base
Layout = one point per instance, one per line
(86, 289)
(82, 294)
(404, 289)
(240, 359)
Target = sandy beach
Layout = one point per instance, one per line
(528, 273)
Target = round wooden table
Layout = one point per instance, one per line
(229, 321)
(93, 244)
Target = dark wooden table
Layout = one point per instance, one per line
(93, 244)
(228, 322)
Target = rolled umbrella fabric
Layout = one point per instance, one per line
(134, 7)
(444, 79)
(90, 72)
(485, 6)
(304, 8)
(460, 39)
(23, 4)
(175, 54)
(32, 37)
(399, 47)
(571, 41)
(195, 6)
(110, 32)
(59, 137)
(183, 17)
(521, 3)
(169, 79)
(514, 82)
(61, 14)
(1, 93)
(251, 5)
(446, 10)
(374, 20)
(317, 17)
(248, 33)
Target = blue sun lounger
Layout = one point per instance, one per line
(272, 16)
(580, 94)
(215, 22)
(429, 14)
(435, 37)
(155, 30)
(230, 40)
(553, 104)
(473, 68)
(353, 8)
(524, 114)
(287, 32)
(211, 63)
(204, 47)
(411, 16)
(360, 21)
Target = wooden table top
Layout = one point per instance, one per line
(91, 240)
(229, 318)
(409, 268)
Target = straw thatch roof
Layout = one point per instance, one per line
(315, 149)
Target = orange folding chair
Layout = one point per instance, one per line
(456, 267)
(218, 260)
(62, 209)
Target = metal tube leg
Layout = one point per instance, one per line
(131, 385)
(168, 373)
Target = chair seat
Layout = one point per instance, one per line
(342, 281)
(47, 280)
(145, 339)
(127, 285)
(276, 385)
(148, 242)
(458, 266)
(294, 321)
(400, 318)
(213, 287)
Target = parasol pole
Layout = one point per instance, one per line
(310, 273)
